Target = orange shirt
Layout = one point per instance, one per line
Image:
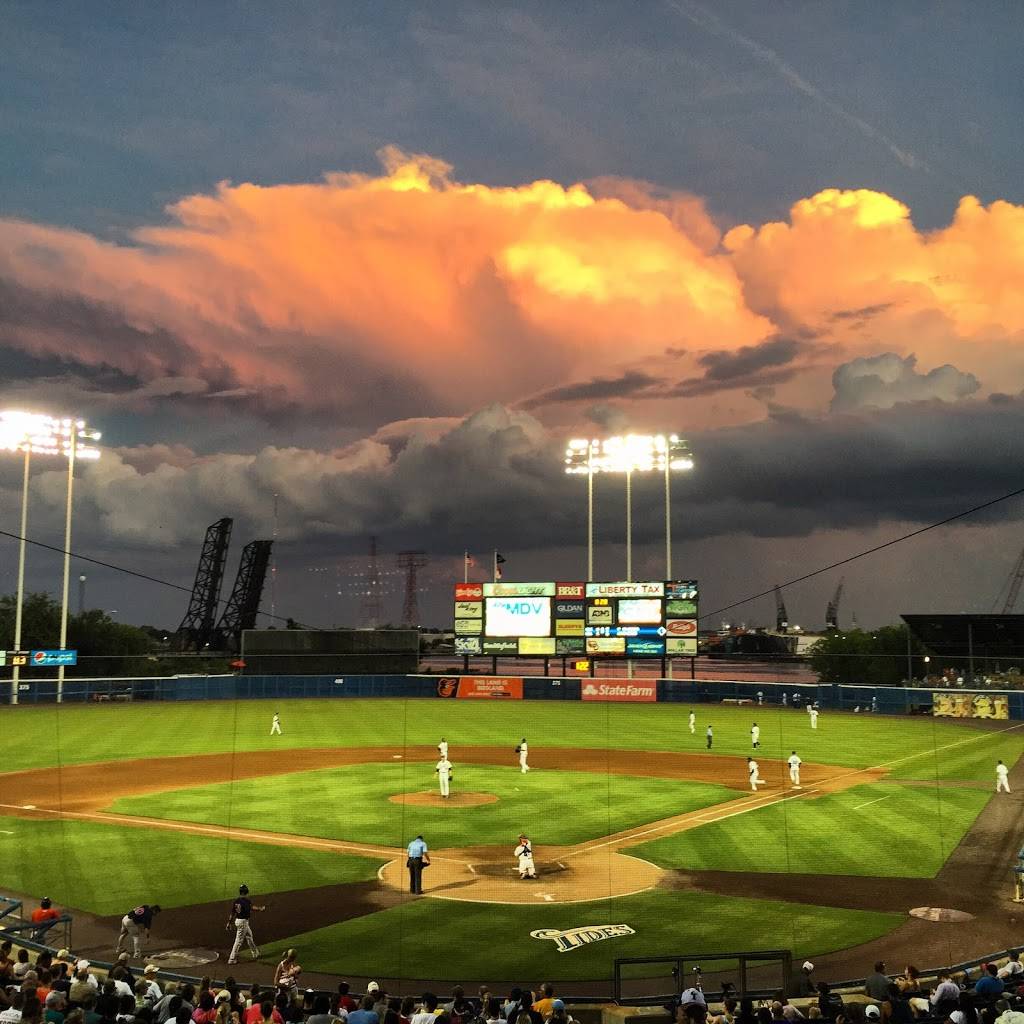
(39, 915)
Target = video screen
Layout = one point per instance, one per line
(518, 616)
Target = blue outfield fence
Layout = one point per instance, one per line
(890, 700)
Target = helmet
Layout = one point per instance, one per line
(243, 890)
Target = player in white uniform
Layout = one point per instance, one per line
(444, 775)
(1002, 782)
(755, 735)
(275, 725)
(522, 751)
(754, 771)
(524, 852)
(814, 718)
(693, 723)
(443, 748)
(794, 763)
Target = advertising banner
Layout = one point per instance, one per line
(469, 625)
(43, 658)
(568, 627)
(469, 609)
(468, 645)
(686, 646)
(469, 591)
(682, 588)
(637, 647)
(568, 609)
(491, 687)
(971, 705)
(606, 645)
(535, 645)
(570, 589)
(620, 690)
(600, 616)
(518, 616)
(519, 590)
(501, 646)
(640, 611)
(681, 627)
(569, 645)
(652, 588)
(678, 608)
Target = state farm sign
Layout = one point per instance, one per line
(616, 690)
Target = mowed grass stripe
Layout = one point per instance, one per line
(468, 934)
(103, 732)
(352, 803)
(106, 869)
(883, 829)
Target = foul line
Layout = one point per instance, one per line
(870, 802)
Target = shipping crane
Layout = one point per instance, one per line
(781, 617)
(832, 611)
(1012, 586)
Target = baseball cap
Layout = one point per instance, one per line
(64, 954)
(243, 889)
(957, 1017)
(223, 996)
(873, 1013)
(83, 965)
(808, 966)
(151, 969)
(692, 995)
(557, 1004)
(373, 987)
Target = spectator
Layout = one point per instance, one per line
(12, 1015)
(31, 1011)
(492, 1011)
(44, 915)
(126, 1009)
(989, 986)
(365, 1014)
(21, 965)
(206, 1011)
(910, 980)
(559, 1014)
(427, 1013)
(343, 1001)
(183, 1016)
(380, 999)
(287, 972)
(121, 987)
(876, 984)
(321, 1011)
(813, 1013)
(544, 1004)
(830, 1003)
(153, 992)
(406, 1010)
(763, 1015)
(806, 985)
(1013, 969)
(946, 996)
(54, 1007)
(6, 960)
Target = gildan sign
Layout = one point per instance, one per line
(620, 692)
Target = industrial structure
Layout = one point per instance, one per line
(197, 627)
(244, 603)
(411, 562)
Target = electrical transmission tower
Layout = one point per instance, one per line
(411, 562)
(371, 608)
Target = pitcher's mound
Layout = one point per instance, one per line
(436, 800)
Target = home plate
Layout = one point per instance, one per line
(396, 757)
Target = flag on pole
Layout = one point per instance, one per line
(468, 562)
(499, 560)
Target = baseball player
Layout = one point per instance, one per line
(275, 725)
(133, 924)
(754, 770)
(442, 749)
(814, 717)
(239, 915)
(710, 737)
(522, 750)
(693, 723)
(785, 700)
(1002, 782)
(794, 763)
(524, 851)
(755, 735)
(444, 775)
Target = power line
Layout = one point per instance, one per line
(868, 551)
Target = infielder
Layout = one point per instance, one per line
(141, 919)
(443, 749)
(524, 852)
(275, 725)
(693, 723)
(522, 750)
(794, 763)
(754, 769)
(239, 915)
(814, 717)
(1002, 782)
(444, 775)
(711, 737)
(755, 735)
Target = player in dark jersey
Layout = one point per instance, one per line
(239, 915)
(136, 922)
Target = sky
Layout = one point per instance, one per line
(342, 271)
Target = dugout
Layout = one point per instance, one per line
(281, 652)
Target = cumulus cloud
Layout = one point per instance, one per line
(885, 380)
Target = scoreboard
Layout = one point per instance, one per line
(647, 619)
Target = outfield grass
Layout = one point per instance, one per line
(451, 941)
(881, 829)
(922, 748)
(106, 869)
(559, 807)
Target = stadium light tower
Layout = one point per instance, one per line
(629, 454)
(31, 434)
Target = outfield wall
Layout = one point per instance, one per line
(892, 700)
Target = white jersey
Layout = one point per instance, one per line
(794, 761)
(693, 721)
(1002, 771)
(755, 734)
(754, 768)
(443, 748)
(444, 768)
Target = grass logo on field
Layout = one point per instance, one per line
(574, 938)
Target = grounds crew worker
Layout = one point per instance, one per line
(239, 916)
(417, 859)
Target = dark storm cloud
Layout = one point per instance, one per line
(747, 360)
(630, 384)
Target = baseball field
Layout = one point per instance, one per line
(633, 821)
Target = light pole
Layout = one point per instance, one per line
(675, 455)
(582, 457)
(73, 434)
(28, 433)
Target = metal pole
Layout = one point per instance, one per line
(970, 653)
(668, 519)
(910, 664)
(67, 560)
(629, 526)
(16, 672)
(590, 516)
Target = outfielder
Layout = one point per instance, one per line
(239, 915)
(794, 763)
(444, 775)
(754, 770)
(814, 717)
(141, 919)
(521, 750)
(524, 851)
(755, 735)
(711, 737)
(693, 723)
(275, 725)
(443, 749)
(1002, 782)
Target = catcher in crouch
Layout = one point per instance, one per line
(524, 852)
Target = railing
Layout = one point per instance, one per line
(32, 934)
